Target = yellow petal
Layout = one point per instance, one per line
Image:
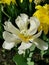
(43, 15)
(8, 1)
(38, 7)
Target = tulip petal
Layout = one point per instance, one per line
(11, 37)
(35, 36)
(24, 46)
(34, 24)
(8, 46)
(22, 21)
(9, 27)
(21, 52)
(40, 44)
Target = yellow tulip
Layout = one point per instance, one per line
(7, 1)
(42, 13)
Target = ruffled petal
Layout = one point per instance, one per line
(22, 21)
(24, 46)
(40, 44)
(24, 17)
(11, 37)
(8, 46)
(34, 24)
(35, 36)
(21, 52)
(9, 27)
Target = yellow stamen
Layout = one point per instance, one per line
(25, 39)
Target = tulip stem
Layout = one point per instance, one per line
(6, 13)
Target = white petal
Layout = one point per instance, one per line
(24, 17)
(36, 21)
(9, 27)
(41, 44)
(24, 46)
(34, 24)
(8, 46)
(36, 36)
(10, 37)
(22, 21)
(21, 52)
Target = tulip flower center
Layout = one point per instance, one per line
(24, 36)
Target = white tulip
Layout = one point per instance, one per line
(27, 36)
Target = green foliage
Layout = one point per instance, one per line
(26, 7)
(31, 8)
(29, 62)
(19, 60)
(0, 14)
(1, 30)
(12, 10)
(32, 47)
(47, 1)
(1, 27)
(23, 5)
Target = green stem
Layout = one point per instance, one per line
(6, 14)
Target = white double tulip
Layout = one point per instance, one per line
(26, 35)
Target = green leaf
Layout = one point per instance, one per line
(31, 8)
(30, 63)
(27, 52)
(23, 5)
(1, 30)
(1, 27)
(32, 47)
(45, 37)
(43, 52)
(0, 14)
(19, 60)
(30, 55)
